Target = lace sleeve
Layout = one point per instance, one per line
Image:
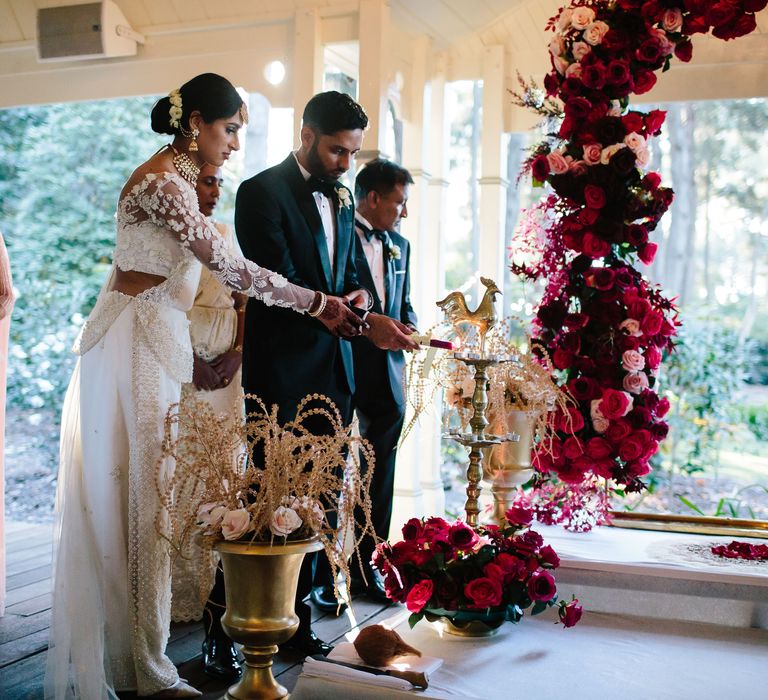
(171, 203)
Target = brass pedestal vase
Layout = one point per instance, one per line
(260, 582)
(508, 465)
(467, 623)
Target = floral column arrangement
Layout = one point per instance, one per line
(603, 325)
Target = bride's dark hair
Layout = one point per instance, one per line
(210, 94)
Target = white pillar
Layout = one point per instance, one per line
(493, 183)
(418, 484)
(375, 75)
(307, 65)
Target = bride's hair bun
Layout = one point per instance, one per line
(161, 120)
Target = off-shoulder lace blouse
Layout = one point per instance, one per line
(159, 226)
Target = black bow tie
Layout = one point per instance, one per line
(370, 232)
(323, 186)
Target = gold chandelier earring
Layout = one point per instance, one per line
(193, 142)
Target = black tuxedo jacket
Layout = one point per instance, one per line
(288, 355)
(397, 305)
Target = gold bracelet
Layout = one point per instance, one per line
(320, 306)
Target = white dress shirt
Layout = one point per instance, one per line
(374, 254)
(327, 216)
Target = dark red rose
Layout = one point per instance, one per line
(583, 388)
(599, 448)
(604, 278)
(695, 25)
(593, 76)
(570, 613)
(419, 596)
(652, 10)
(393, 587)
(576, 320)
(649, 51)
(644, 81)
(741, 26)
(721, 13)
(637, 469)
(573, 448)
(412, 530)
(623, 161)
(660, 431)
(527, 544)
(609, 130)
(617, 430)
(651, 181)
(549, 557)
(446, 591)
(618, 72)
(571, 342)
(754, 5)
(562, 359)
(684, 50)
(519, 515)
(653, 123)
(651, 323)
(541, 586)
(633, 122)
(540, 168)
(593, 246)
(588, 216)
(624, 278)
(483, 593)
(631, 448)
(552, 83)
(636, 234)
(640, 417)
(578, 107)
(594, 196)
(647, 252)
(462, 536)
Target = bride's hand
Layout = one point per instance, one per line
(204, 377)
(339, 319)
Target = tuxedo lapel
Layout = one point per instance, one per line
(344, 230)
(389, 274)
(305, 202)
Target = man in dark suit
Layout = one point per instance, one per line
(297, 219)
(382, 260)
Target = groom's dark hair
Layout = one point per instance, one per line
(329, 112)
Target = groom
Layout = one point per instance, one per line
(297, 219)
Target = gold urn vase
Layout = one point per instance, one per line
(508, 465)
(260, 582)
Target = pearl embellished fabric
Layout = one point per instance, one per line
(112, 571)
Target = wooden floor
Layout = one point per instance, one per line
(24, 628)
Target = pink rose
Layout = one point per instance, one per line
(564, 19)
(635, 382)
(484, 592)
(560, 64)
(631, 327)
(580, 49)
(573, 71)
(284, 521)
(642, 157)
(236, 523)
(419, 596)
(632, 361)
(582, 17)
(672, 20)
(634, 141)
(615, 404)
(541, 586)
(557, 163)
(609, 152)
(592, 153)
(595, 32)
(557, 46)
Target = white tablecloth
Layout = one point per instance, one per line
(603, 657)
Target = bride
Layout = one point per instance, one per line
(112, 584)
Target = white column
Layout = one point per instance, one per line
(493, 183)
(374, 74)
(307, 65)
(418, 485)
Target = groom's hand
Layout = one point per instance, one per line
(388, 333)
(359, 298)
(339, 319)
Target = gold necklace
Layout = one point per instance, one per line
(186, 166)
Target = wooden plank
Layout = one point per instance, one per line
(19, 540)
(16, 567)
(31, 590)
(17, 626)
(31, 552)
(24, 679)
(24, 578)
(18, 649)
(31, 606)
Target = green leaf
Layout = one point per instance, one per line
(414, 618)
(686, 502)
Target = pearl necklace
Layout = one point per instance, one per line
(186, 166)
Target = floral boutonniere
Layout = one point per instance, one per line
(343, 195)
(393, 251)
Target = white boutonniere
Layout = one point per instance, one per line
(344, 199)
(393, 251)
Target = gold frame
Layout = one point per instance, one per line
(690, 524)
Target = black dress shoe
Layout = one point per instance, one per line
(325, 600)
(307, 644)
(220, 659)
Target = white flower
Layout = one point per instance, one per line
(394, 252)
(635, 141)
(175, 111)
(235, 524)
(595, 32)
(344, 199)
(284, 521)
(643, 157)
(210, 514)
(307, 507)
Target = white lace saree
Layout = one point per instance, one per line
(112, 571)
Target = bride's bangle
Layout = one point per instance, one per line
(322, 301)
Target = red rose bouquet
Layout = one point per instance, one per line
(450, 569)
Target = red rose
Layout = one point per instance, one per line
(483, 592)
(644, 81)
(649, 51)
(562, 359)
(588, 216)
(462, 536)
(633, 122)
(583, 388)
(651, 323)
(573, 448)
(519, 515)
(576, 320)
(595, 247)
(549, 557)
(541, 586)
(636, 234)
(653, 122)
(663, 408)
(593, 76)
(754, 5)
(594, 196)
(540, 168)
(570, 613)
(632, 447)
(578, 107)
(684, 50)
(652, 357)
(495, 572)
(412, 530)
(741, 26)
(618, 73)
(615, 404)
(419, 596)
(599, 448)
(647, 252)
(513, 567)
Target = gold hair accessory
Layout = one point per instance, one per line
(175, 111)
(186, 166)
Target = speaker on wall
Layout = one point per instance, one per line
(90, 30)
